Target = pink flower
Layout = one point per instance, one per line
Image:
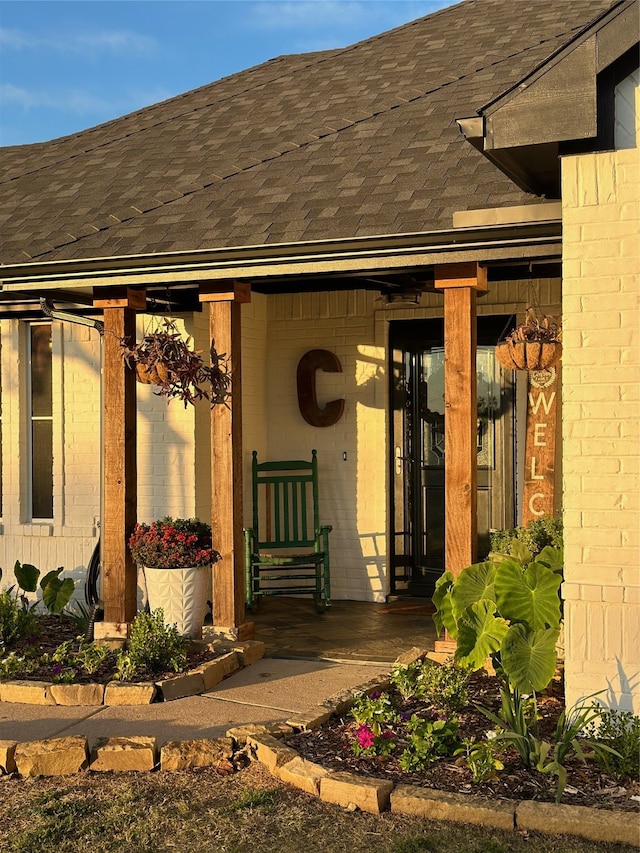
(364, 736)
(173, 543)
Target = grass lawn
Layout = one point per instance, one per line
(194, 812)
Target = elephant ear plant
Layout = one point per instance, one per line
(17, 616)
(506, 609)
(56, 592)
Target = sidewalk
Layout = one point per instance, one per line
(267, 691)
(309, 659)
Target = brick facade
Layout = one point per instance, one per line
(601, 423)
(174, 456)
(168, 454)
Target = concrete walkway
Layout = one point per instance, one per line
(309, 658)
(267, 691)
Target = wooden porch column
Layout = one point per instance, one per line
(460, 283)
(119, 508)
(226, 465)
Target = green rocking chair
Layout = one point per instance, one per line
(285, 520)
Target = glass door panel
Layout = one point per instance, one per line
(419, 453)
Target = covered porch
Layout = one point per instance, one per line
(439, 275)
(354, 631)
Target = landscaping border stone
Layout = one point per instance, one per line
(7, 757)
(61, 756)
(459, 808)
(235, 655)
(117, 754)
(352, 791)
(201, 752)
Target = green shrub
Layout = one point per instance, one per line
(507, 609)
(153, 647)
(481, 758)
(56, 592)
(535, 536)
(16, 619)
(376, 710)
(518, 723)
(428, 740)
(620, 731)
(14, 665)
(444, 686)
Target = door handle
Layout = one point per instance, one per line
(398, 455)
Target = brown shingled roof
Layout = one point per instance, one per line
(353, 142)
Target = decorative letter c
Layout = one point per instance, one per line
(317, 359)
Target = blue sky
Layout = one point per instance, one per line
(66, 66)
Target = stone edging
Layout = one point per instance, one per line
(235, 656)
(351, 791)
(68, 755)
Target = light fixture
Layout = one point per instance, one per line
(403, 296)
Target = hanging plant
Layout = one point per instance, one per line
(165, 359)
(535, 344)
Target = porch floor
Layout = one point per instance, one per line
(349, 630)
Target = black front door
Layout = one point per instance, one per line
(418, 449)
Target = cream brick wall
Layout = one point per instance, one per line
(601, 424)
(174, 442)
(255, 393)
(353, 491)
(70, 538)
(173, 468)
(166, 444)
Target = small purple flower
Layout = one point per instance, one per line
(57, 669)
(405, 715)
(31, 640)
(375, 695)
(387, 734)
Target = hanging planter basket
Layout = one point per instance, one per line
(157, 374)
(165, 359)
(528, 355)
(533, 345)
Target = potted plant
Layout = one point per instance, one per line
(175, 554)
(535, 344)
(165, 359)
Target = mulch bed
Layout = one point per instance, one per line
(588, 785)
(54, 630)
(330, 745)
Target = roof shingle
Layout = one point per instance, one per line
(345, 143)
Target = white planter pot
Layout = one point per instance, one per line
(182, 595)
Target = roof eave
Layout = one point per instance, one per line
(354, 255)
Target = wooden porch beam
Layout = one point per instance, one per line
(226, 477)
(119, 508)
(224, 291)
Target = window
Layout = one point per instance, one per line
(40, 420)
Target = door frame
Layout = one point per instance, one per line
(490, 328)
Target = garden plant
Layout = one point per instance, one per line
(166, 359)
(505, 614)
(40, 639)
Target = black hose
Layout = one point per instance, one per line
(91, 595)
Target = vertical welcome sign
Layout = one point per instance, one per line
(540, 445)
